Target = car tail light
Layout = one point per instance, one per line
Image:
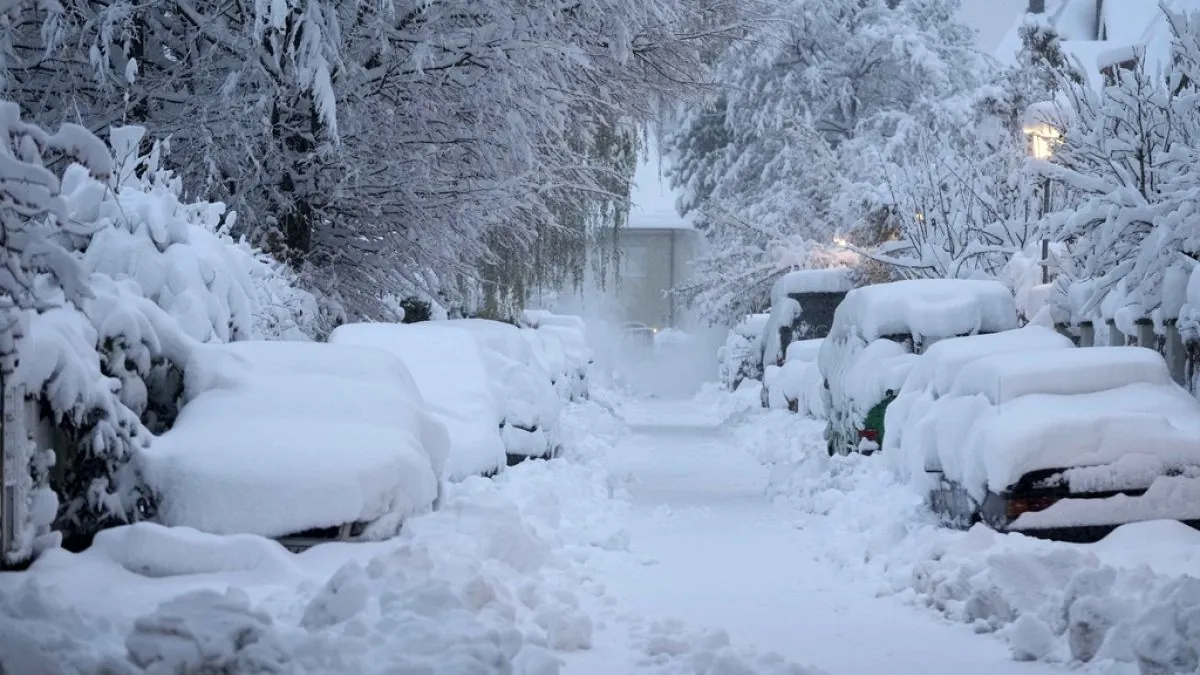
(868, 435)
(1018, 505)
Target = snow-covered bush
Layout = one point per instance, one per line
(740, 358)
(135, 279)
(57, 363)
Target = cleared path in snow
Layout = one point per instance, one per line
(710, 550)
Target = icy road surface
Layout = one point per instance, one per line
(710, 550)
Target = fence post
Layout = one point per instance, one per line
(1145, 334)
(1115, 337)
(10, 470)
(1174, 353)
(1087, 334)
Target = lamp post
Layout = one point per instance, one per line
(1042, 139)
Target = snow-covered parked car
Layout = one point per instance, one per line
(450, 370)
(529, 407)
(297, 440)
(797, 385)
(740, 358)
(877, 334)
(907, 418)
(566, 335)
(1065, 443)
(803, 305)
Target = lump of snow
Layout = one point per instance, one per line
(208, 632)
(276, 438)
(804, 350)
(451, 373)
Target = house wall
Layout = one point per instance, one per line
(653, 260)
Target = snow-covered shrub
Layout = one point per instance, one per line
(46, 352)
(741, 356)
(135, 278)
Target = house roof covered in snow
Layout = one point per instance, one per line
(1100, 33)
(652, 198)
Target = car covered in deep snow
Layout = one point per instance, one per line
(561, 340)
(797, 384)
(524, 391)
(877, 334)
(450, 370)
(300, 441)
(1064, 443)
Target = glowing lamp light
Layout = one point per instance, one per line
(839, 241)
(1043, 138)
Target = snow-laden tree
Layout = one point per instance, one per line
(1126, 162)
(383, 148)
(775, 166)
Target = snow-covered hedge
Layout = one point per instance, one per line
(140, 277)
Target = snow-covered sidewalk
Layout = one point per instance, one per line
(710, 549)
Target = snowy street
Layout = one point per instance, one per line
(710, 549)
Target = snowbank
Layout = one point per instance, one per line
(1126, 603)
(450, 370)
(495, 581)
(276, 438)
(1071, 603)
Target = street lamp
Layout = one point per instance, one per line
(1043, 137)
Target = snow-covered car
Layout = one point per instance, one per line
(907, 418)
(569, 334)
(1065, 443)
(803, 304)
(297, 440)
(450, 370)
(740, 358)
(638, 335)
(797, 384)
(877, 334)
(529, 407)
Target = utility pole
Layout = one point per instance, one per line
(1045, 241)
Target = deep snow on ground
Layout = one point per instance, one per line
(699, 536)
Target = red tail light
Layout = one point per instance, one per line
(868, 435)
(1018, 505)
